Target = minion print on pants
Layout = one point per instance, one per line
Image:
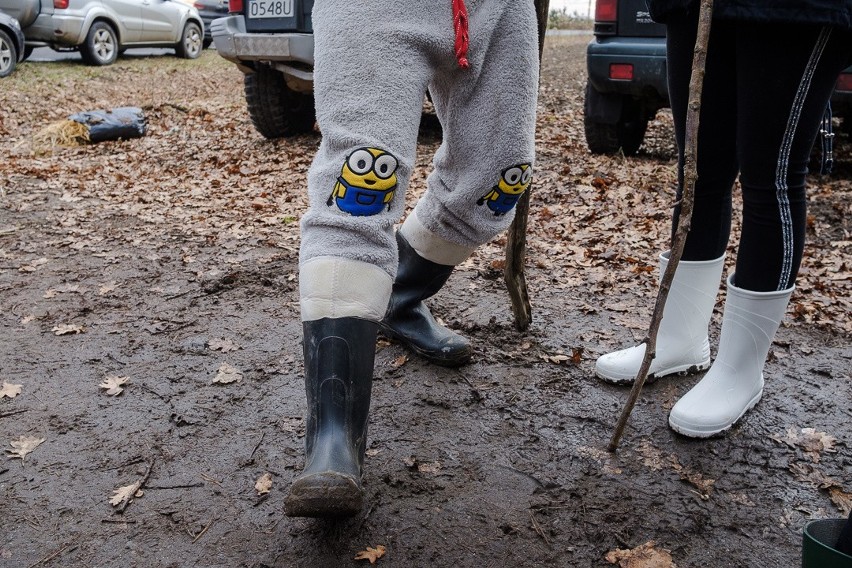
(367, 182)
(369, 90)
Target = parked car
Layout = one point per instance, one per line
(209, 10)
(272, 43)
(841, 100)
(626, 64)
(100, 29)
(11, 44)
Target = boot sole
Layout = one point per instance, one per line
(326, 494)
(692, 433)
(458, 359)
(680, 371)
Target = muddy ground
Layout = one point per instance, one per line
(161, 259)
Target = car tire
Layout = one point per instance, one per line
(8, 55)
(276, 110)
(28, 50)
(101, 46)
(625, 135)
(191, 42)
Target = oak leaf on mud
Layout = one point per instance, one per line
(9, 390)
(813, 443)
(113, 385)
(67, 329)
(107, 288)
(263, 483)
(643, 556)
(125, 493)
(371, 554)
(227, 374)
(223, 345)
(23, 446)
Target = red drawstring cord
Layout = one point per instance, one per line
(462, 38)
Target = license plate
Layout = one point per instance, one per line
(270, 9)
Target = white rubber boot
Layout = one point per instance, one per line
(682, 344)
(734, 383)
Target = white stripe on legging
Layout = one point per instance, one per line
(784, 158)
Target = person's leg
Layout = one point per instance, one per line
(781, 103)
(483, 166)
(369, 91)
(682, 343)
(785, 76)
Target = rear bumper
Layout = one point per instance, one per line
(53, 29)
(234, 44)
(648, 57)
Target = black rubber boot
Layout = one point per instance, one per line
(339, 356)
(410, 321)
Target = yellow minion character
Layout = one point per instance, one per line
(514, 181)
(367, 182)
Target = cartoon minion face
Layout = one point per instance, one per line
(367, 182)
(513, 182)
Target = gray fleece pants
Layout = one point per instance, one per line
(374, 62)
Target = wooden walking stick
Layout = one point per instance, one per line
(690, 173)
(516, 243)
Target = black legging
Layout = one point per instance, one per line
(765, 90)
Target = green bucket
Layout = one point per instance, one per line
(818, 540)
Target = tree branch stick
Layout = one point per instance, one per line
(696, 82)
(516, 242)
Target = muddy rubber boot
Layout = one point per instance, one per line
(339, 356)
(734, 384)
(682, 343)
(410, 321)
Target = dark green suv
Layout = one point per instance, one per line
(627, 76)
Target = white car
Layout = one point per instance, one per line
(100, 29)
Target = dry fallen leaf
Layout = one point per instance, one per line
(223, 345)
(9, 390)
(67, 328)
(113, 384)
(399, 361)
(813, 443)
(23, 446)
(125, 493)
(263, 484)
(371, 554)
(34, 265)
(841, 499)
(643, 556)
(654, 459)
(227, 374)
(809, 474)
(107, 288)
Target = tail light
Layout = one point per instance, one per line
(621, 71)
(844, 82)
(198, 5)
(606, 11)
(235, 6)
(60, 4)
(606, 16)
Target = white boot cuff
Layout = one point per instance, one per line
(430, 246)
(335, 287)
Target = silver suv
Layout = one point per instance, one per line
(100, 29)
